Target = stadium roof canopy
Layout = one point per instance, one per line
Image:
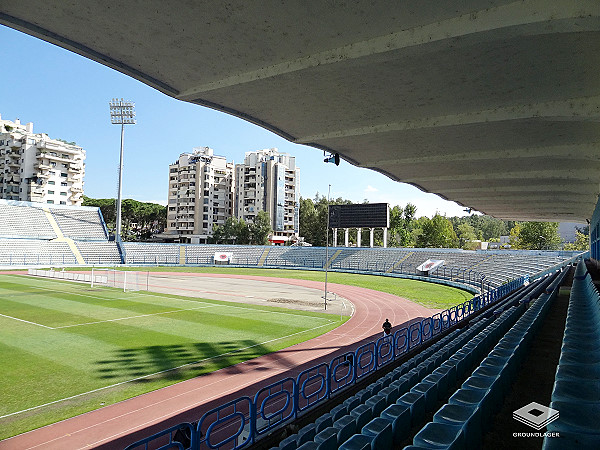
(493, 104)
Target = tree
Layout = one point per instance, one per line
(582, 242)
(436, 233)
(139, 219)
(535, 236)
(401, 224)
(260, 229)
(466, 234)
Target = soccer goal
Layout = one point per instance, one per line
(129, 281)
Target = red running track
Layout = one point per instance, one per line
(123, 423)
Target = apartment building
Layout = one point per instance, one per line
(269, 181)
(200, 195)
(35, 168)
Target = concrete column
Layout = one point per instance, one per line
(346, 236)
(335, 237)
(358, 236)
(385, 238)
(372, 236)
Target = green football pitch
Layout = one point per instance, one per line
(67, 348)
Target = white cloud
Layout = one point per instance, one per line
(370, 188)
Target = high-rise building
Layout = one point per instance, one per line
(35, 168)
(200, 195)
(269, 181)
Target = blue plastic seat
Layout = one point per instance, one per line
(357, 442)
(475, 397)
(380, 432)
(306, 433)
(362, 414)
(416, 402)
(346, 427)
(579, 418)
(310, 445)
(289, 443)
(580, 391)
(399, 417)
(430, 390)
(390, 394)
(324, 421)
(352, 402)
(441, 380)
(467, 416)
(491, 384)
(441, 435)
(568, 440)
(329, 436)
(402, 384)
(377, 403)
(338, 411)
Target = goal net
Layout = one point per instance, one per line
(120, 279)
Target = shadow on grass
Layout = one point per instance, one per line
(181, 362)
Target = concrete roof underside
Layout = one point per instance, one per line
(493, 104)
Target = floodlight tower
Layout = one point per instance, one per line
(121, 113)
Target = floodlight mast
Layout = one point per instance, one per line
(121, 113)
(327, 247)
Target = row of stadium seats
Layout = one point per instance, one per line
(28, 220)
(390, 407)
(576, 393)
(468, 412)
(17, 252)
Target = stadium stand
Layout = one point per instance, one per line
(22, 220)
(148, 253)
(465, 357)
(99, 252)
(17, 252)
(80, 224)
(576, 393)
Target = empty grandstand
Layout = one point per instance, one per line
(84, 238)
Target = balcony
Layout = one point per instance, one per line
(15, 143)
(41, 165)
(63, 148)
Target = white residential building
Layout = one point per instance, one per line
(269, 181)
(200, 195)
(35, 168)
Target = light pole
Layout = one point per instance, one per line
(327, 246)
(121, 113)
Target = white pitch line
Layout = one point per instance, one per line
(163, 371)
(27, 321)
(130, 317)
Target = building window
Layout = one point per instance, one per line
(50, 192)
(62, 183)
(52, 172)
(50, 201)
(64, 175)
(52, 164)
(63, 193)
(51, 183)
(63, 203)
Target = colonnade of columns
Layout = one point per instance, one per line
(359, 237)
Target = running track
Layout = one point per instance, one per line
(118, 425)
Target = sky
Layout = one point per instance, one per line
(66, 96)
